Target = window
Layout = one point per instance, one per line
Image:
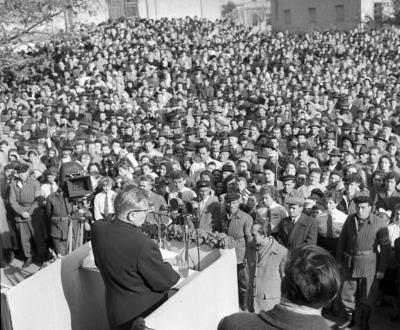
(131, 8)
(254, 19)
(378, 11)
(287, 15)
(340, 13)
(268, 18)
(312, 12)
(131, 11)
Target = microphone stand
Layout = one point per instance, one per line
(186, 239)
(157, 216)
(158, 219)
(196, 225)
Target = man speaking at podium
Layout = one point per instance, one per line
(135, 277)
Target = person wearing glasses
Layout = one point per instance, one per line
(135, 277)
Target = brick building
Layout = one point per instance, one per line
(304, 15)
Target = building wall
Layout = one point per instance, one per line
(210, 9)
(326, 14)
(254, 13)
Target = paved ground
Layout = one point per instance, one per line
(380, 319)
(14, 273)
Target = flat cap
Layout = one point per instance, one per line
(22, 168)
(268, 166)
(232, 196)
(362, 199)
(295, 199)
(203, 184)
(228, 168)
(52, 171)
(287, 178)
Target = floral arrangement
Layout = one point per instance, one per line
(214, 240)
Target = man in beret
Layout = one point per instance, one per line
(361, 261)
(237, 224)
(26, 200)
(298, 228)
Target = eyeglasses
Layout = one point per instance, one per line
(137, 211)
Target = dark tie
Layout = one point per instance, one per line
(106, 206)
(329, 226)
(180, 195)
(268, 216)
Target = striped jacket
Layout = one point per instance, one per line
(358, 249)
(26, 198)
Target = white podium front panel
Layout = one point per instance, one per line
(203, 301)
(64, 296)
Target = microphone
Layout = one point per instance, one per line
(174, 204)
(151, 206)
(163, 209)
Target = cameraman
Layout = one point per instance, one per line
(136, 278)
(58, 209)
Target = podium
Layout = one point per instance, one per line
(66, 296)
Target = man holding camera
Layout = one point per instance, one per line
(135, 277)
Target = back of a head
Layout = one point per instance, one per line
(129, 199)
(311, 277)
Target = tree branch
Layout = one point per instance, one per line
(32, 27)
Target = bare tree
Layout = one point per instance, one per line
(228, 9)
(26, 21)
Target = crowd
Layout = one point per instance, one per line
(283, 140)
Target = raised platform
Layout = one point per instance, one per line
(65, 296)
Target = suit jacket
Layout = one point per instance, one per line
(134, 274)
(157, 201)
(265, 266)
(238, 226)
(351, 241)
(388, 203)
(277, 318)
(397, 255)
(304, 231)
(210, 214)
